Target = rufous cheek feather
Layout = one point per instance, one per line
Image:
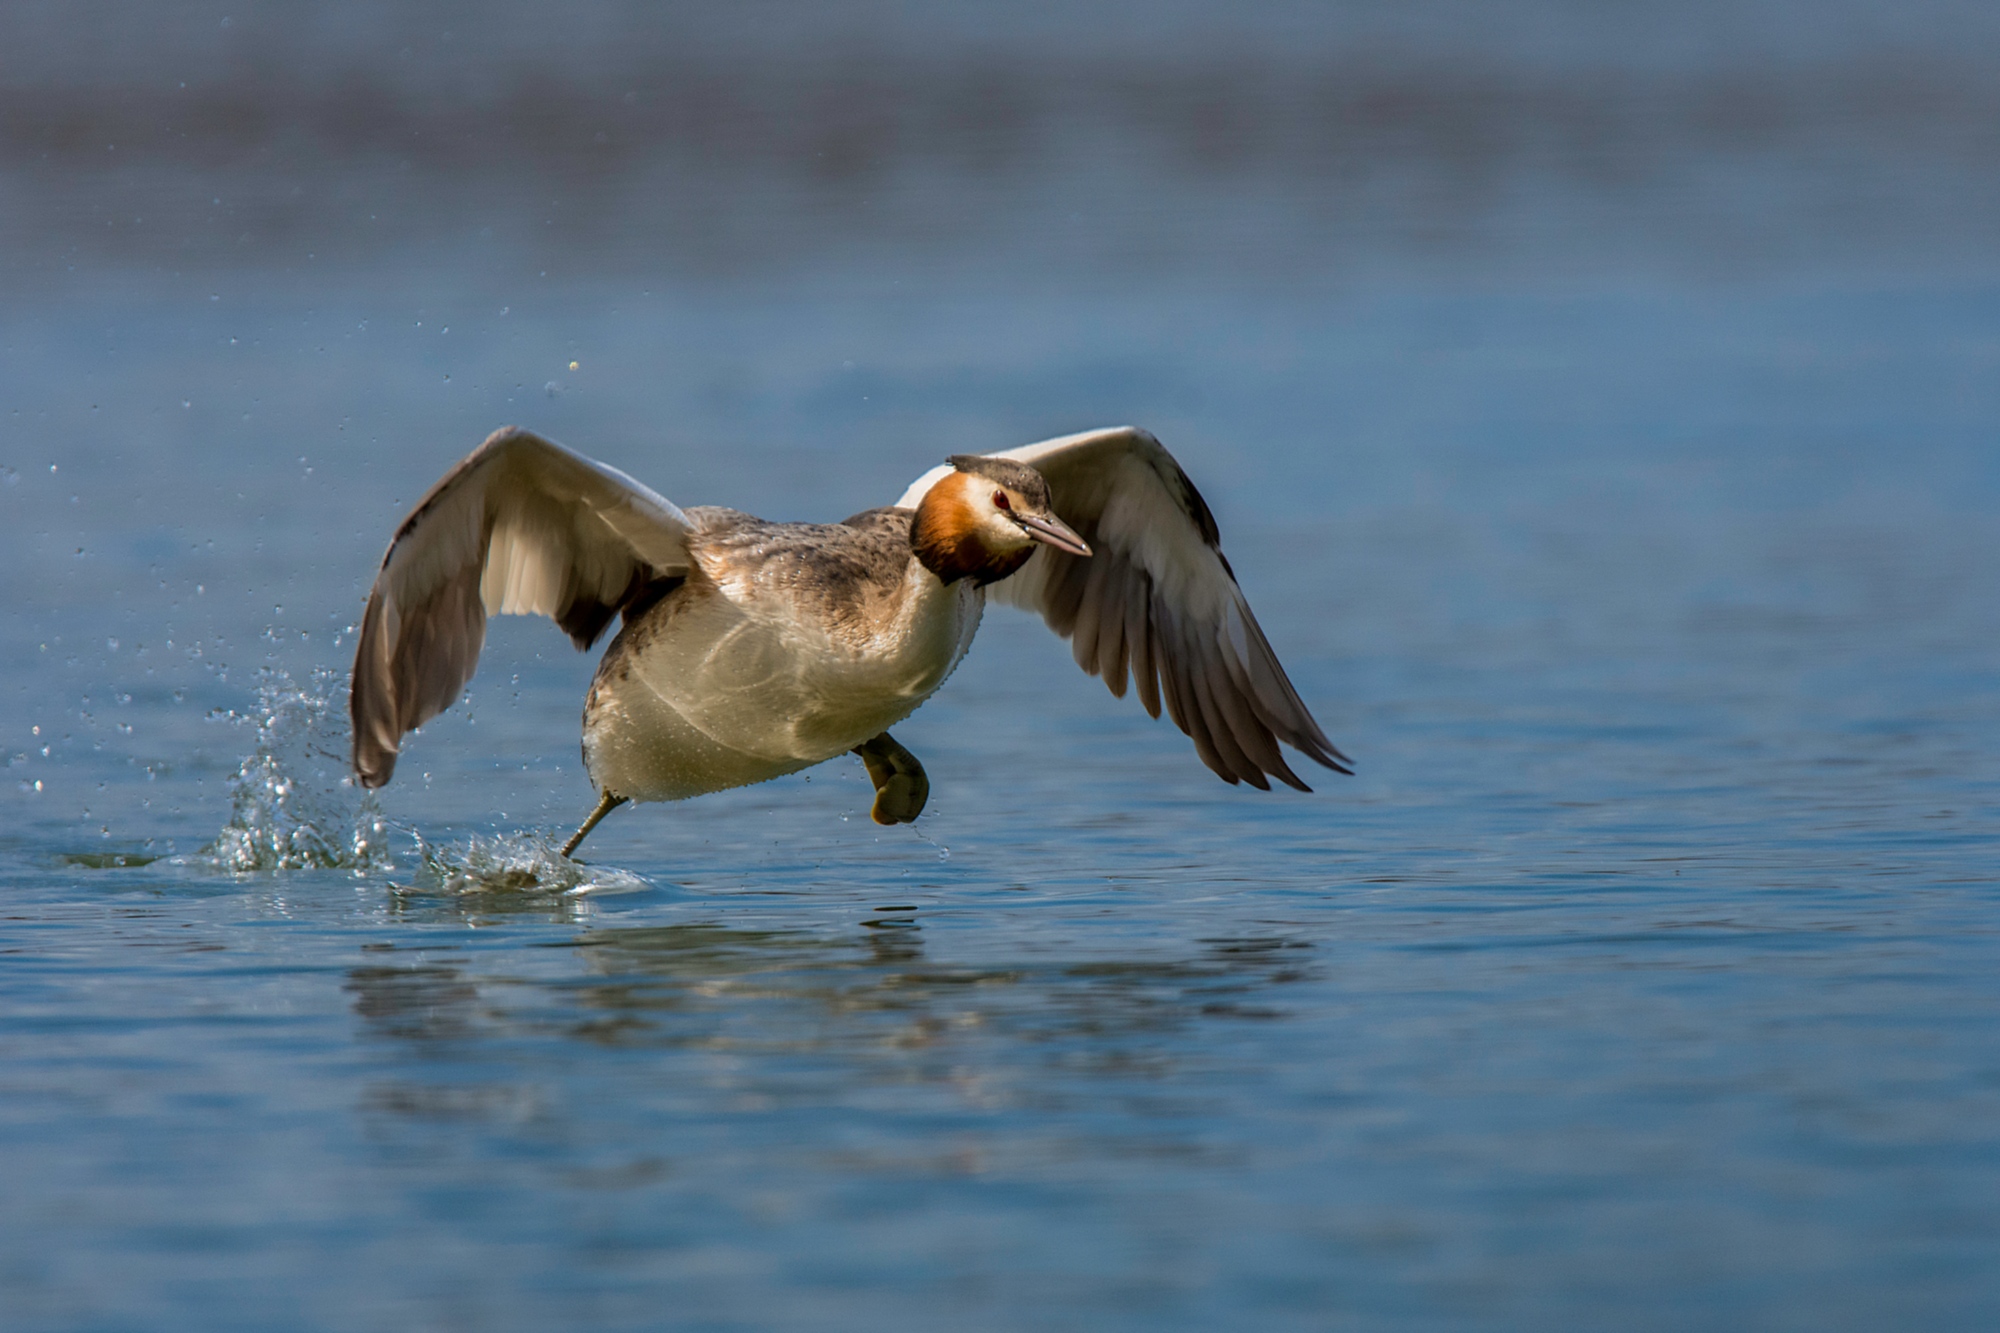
(948, 535)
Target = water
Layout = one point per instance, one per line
(1642, 976)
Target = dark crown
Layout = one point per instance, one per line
(1006, 472)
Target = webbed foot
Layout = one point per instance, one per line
(901, 788)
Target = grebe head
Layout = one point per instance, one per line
(984, 519)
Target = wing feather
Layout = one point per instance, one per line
(1253, 739)
(520, 527)
(1222, 737)
(1139, 633)
(1191, 719)
(1111, 625)
(1159, 600)
(1090, 617)
(1172, 655)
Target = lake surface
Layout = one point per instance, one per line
(1642, 977)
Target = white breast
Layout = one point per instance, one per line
(740, 685)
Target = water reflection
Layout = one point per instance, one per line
(810, 1008)
(417, 1001)
(698, 982)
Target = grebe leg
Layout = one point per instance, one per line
(604, 807)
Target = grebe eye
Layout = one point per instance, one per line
(1000, 501)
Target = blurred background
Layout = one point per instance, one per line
(1119, 143)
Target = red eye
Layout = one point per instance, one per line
(1000, 501)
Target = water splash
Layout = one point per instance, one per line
(293, 802)
(943, 852)
(512, 862)
(294, 805)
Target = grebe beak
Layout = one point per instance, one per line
(1052, 531)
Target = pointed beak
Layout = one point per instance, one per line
(1052, 531)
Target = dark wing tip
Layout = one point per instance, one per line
(374, 763)
(1327, 753)
(1321, 752)
(1197, 509)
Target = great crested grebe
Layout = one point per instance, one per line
(751, 649)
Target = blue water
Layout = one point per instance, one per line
(1642, 977)
(1638, 536)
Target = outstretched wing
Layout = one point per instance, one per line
(520, 527)
(1158, 597)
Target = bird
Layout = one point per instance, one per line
(750, 649)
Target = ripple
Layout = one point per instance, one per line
(527, 863)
